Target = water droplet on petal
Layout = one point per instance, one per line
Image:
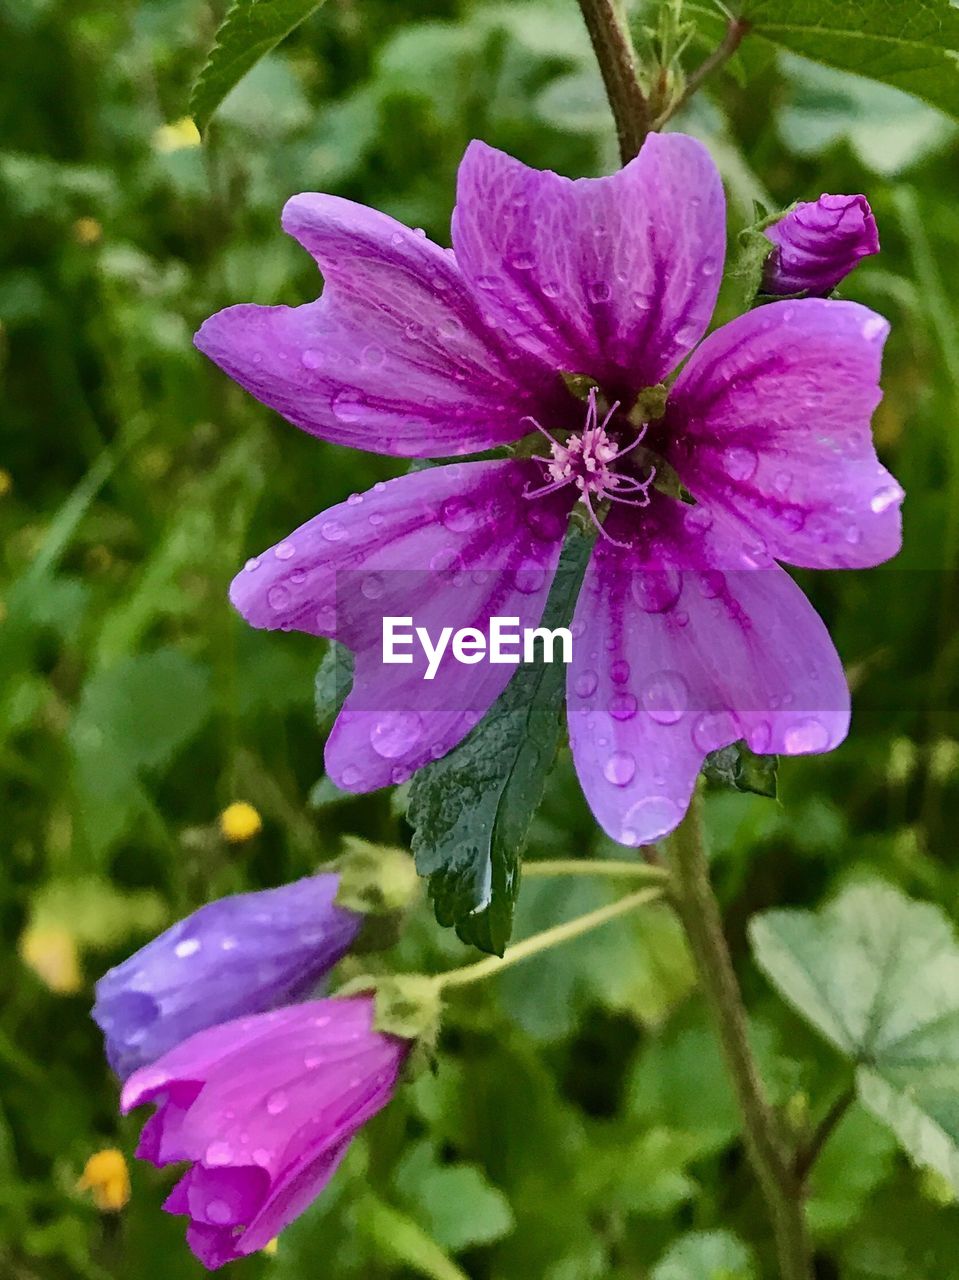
(698, 519)
(551, 289)
(585, 684)
(622, 706)
(666, 697)
(332, 531)
(218, 1153)
(874, 328)
(347, 406)
(760, 737)
(529, 577)
(714, 729)
(740, 462)
(252, 563)
(656, 590)
(188, 947)
(261, 1157)
(311, 359)
(373, 355)
(522, 262)
(219, 1213)
(806, 735)
(649, 819)
(619, 769)
(458, 515)
(599, 291)
(853, 535)
(884, 498)
(278, 597)
(619, 671)
(712, 583)
(350, 776)
(395, 733)
(284, 551)
(277, 1102)
(372, 586)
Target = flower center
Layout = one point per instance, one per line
(589, 461)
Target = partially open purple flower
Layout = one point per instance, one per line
(264, 1109)
(818, 243)
(688, 635)
(241, 955)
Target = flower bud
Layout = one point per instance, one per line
(818, 243)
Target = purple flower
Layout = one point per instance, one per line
(818, 243)
(688, 635)
(264, 1109)
(240, 955)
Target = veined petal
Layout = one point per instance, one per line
(441, 549)
(614, 277)
(394, 356)
(770, 420)
(685, 644)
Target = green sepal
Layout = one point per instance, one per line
(649, 405)
(379, 883)
(743, 770)
(406, 1005)
(580, 384)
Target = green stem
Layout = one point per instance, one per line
(613, 46)
(616, 868)
(768, 1153)
(731, 41)
(548, 938)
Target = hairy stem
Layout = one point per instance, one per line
(731, 41)
(768, 1154)
(547, 939)
(616, 56)
(807, 1157)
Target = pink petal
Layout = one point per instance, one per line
(614, 277)
(394, 356)
(770, 420)
(681, 647)
(448, 547)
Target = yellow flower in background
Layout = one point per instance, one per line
(177, 136)
(107, 1178)
(239, 822)
(50, 950)
(87, 231)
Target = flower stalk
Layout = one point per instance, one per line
(549, 938)
(613, 46)
(768, 1153)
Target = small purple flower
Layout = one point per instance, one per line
(264, 1109)
(688, 635)
(241, 955)
(818, 243)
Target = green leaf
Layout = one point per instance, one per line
(334, 679)
(706, 1255)
(399, 1238)
(738, 767)
(911, 46)
(459, 1206)
(249, 31)
(471, 811)
(878, 975)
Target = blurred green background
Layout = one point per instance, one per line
(578, 1125)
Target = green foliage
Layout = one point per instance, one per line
(911, 47)
(470, 812)
(579, 1121)
(250, 30)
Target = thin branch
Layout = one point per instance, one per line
(616, 56)
(807, 1157)
(738, 27)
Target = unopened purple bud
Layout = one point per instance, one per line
(818, 243)
(238, 956)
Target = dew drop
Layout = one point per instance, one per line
(622, 706)
(458, 515)
(874, 328)
(522, 262)
(278, 597)
(252, 563)
(373, 355)
(219, 1212)
(450, 327)
(551, 289)
(529, 577)
(649, 819)
(372, 586)
(284, 551)
(666, 697)
(350, 776)
(656, 590)
(585, 684)
(760, 737)
(310, 359)
(394, 733)
(599, 291)
(619, 671)
(277, 1102)
(715, 729)
(261, 1157)
(619, 769)
(218, 1153)
(332, 531)
(188, 947)
(806, 735)
(698, 519)
(712, 583)
(445, 561)
(884, 498)
(740, 462)
(347, 406)
(853, 535)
